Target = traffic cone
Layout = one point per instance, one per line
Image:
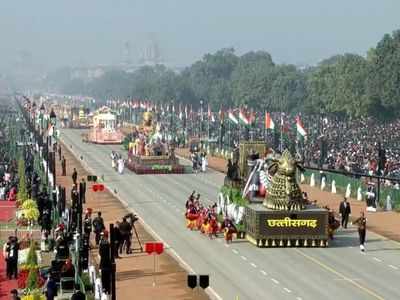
(359, 194)
(348, 191)
(302, 178)
(312, 180)
(323, 184)
(333, 187)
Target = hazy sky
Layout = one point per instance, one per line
(65, 32)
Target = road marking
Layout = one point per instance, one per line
(219, 240)
(253, 265)
(330, 269)
(226, 245)
(244, 257)
(263, 272)
(393, 267)
(235, 251)
(287, 290)
(377, 259)
(274, 281)
(299, 298)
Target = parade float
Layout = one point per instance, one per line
(263, 198)
(147, 151)
(104, 129)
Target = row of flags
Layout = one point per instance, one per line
(236, 116)
(269, 124)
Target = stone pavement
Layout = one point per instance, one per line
(386, 224)
(134, 272)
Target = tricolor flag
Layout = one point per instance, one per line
(232, 117)
(300, 127)
(244, 118)
(269, 123)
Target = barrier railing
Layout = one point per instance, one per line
(342, 181)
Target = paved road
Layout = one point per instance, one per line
(241, 270)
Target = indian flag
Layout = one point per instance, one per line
(269, 123)
(300, 127)
(244, 118)
(232, 117)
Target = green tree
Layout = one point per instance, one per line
(384, 74)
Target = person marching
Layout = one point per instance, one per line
(345, 212)
(362, 229)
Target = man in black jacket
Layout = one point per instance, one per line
(105, 262)
(345, 211)
(74, 176)
(125, 229)
(82, 190)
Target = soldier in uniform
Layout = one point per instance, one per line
(362, 229)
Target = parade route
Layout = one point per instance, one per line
(241, 270)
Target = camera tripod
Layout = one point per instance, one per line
(137, 237)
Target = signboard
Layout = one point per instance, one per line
(297, 224)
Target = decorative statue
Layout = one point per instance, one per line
(284, 193)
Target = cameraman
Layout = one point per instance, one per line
(125, 229)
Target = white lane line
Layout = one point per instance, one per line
(287, 290)
(274, 281)
(253, 265)
(377, 259)
(235, 251)
(243, 257)
(263, 272)
(226, 245)
(299, 298)
(393, 267)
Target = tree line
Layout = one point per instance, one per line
(349, 85)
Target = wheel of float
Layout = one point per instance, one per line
(263, 241)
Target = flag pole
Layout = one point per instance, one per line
(281, 146)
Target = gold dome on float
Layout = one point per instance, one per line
(284, 193)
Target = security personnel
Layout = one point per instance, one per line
(105, 262)
(82, 190)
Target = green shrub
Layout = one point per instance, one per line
(33, 280)
(32, 259)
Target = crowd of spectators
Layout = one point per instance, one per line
(353, 145)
